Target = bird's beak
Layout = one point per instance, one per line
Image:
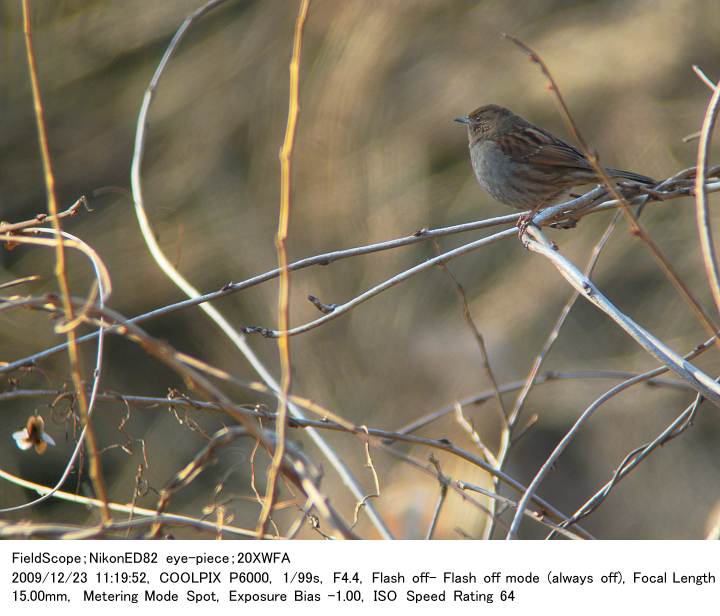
(463, 120)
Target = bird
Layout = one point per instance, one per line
(525, 166)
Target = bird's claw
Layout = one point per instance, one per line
(523, 223)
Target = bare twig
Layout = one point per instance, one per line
(479, 338)
(508, 502)
(194, 372)
(193, 294)
(701, 382)
(701, 199)
(189, 369)
(42, 219)
(376, 481)
(703, 77)
(635, 228)
(541, 379)
(441, 497)
(461, 488)
(555, 331)
(60, 267)
(474, 436)
(633, 459)
(560, 447)
(547, 217)
(284, 288)
(341, 309)
(103, 285)
(255, 411)
(167, 518)
(507, 436)
(19, 281)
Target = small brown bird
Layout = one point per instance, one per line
(524, 166)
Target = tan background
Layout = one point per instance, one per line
(377, 156)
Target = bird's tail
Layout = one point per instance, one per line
(629, 175)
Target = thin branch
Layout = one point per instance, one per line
(635, 228)
(194, 468)
(541, 379)
(461, 488)
(703, 77)
(167, 518)
(548, 216)
(387, 284)
(69, 241)
(507, 435)
(42, 219)
(103, 283)
(508, 502)
(560, 447)
(194, 372)
(441, 497)
(284, 287)
(474, 436)
(479, 338)
(255, 411)
(193, 294)
(555, 331)
(181, 364)
(701, 199)
(701, 382)
(19, 281)
(60, 266)
(632, 460)
(338, 309)
(376, 481)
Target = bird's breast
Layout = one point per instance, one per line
(497, 174)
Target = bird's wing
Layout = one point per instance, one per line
(536, 146)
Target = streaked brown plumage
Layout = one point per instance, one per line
(524, 166)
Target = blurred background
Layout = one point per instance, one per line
(377, 156)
